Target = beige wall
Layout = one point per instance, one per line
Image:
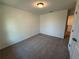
(70, 20)
(53, 23)
(16, 25)
(70, 23)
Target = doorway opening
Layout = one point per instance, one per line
(68, 29)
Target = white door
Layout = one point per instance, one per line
(75, 54)
(74, 38)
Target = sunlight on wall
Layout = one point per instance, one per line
(70, 20)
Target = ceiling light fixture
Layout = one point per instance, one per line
(40, 4)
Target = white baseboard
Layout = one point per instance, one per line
(7, 45)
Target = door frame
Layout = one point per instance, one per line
(66, 23)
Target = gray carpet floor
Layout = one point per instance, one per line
(37, 47)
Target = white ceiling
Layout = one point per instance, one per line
(53, 5)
